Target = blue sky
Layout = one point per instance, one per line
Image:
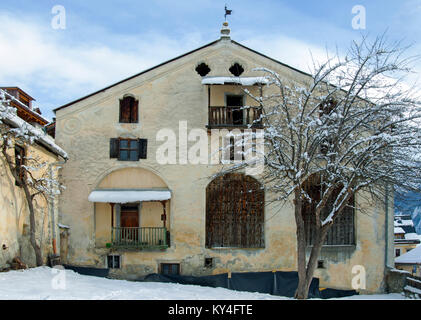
(106, 41)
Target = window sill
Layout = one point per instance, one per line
(235, 248)
(335, 246)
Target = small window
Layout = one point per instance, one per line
(236, 69)
(128, 149)
(129, 110)
(320, 264)
(170, 268)
(114, 261)
(327, 107)
(19, 162)
(208, 262)
(203, 69)
(397, 252)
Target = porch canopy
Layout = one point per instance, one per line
(126, 196)
(245, 81)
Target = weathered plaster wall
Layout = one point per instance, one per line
(14, 213)
(167, 95)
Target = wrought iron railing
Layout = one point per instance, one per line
(145, 237)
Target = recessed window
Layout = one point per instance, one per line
(170, 268)
(114, 261)
(342, 230)
(236, 69)
(129, 110)
(320, 264)
(235, 212)
(203, 69)
(208, 262)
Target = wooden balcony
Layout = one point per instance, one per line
(140, 238)
(228, 117)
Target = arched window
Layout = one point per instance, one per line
(235, 212)
(129, 110)
(342, 230)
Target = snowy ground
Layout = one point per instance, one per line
(46, 283)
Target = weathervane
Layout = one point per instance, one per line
(227, 12)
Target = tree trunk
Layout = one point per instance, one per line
(306, 270)
(300, 293)
(37, 248)
(29, 199)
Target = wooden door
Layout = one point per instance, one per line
(129, 222)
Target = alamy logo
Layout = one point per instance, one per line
(359, 19)
(59, 19)
(58, 282)
(358, 281)
(220, 147)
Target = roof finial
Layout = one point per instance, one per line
(225, 31)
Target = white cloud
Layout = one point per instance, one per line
(33, 56)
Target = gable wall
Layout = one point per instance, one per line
(167, 95)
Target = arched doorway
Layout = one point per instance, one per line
(133, 206)
(235, 212)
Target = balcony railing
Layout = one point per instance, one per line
(142, 238)
(234, 117)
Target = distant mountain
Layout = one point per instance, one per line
(409, 203)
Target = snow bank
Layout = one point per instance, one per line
(44, 283)
(52, 284)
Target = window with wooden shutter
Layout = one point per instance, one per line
(143, 147)
(128, 149)
(114, 147)
(235, 212)
(129, 110)
(342, 231)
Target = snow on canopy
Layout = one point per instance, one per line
(411, 257)
(126, 196)
(24, 129)
(244, 81)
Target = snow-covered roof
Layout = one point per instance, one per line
(244, 81)
(412, 236)
(398, 230)
(411, 257)
(8, 115)
(403, 223)
(126, 196)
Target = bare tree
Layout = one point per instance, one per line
(352, 127)
(31, 173)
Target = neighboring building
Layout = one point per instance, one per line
(24, 108)
(129, 212)
(410, 261)
(14, 213)
(406, 237)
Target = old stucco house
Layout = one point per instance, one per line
(14, 212)
(130, 212)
